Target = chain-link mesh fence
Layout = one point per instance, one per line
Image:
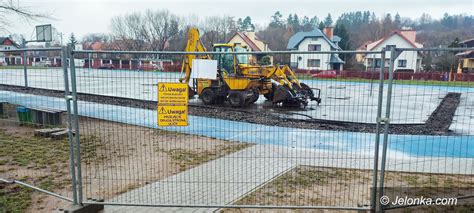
(293, 152)
(434, 158)
(33, 133)
(260, 154)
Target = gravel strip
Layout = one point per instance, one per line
(437, 124)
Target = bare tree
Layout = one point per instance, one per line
(10, 8)
(161, 26)
(218, 29)
(149, 31)
(129, 32)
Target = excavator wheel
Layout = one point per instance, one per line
(236, 98)
(208, 96)
(269, 96)
(255, 96)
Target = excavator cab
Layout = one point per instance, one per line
(225, 61)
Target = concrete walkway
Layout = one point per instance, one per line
(218, 182)
(227, 179)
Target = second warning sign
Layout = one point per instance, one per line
(172, 106)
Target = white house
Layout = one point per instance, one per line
(315, 41)
(9, 58)
(406, 61)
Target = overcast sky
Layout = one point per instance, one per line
(93, 16)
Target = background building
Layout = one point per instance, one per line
(9, 58)
(253, 43)
(406, 61)
(315, 41)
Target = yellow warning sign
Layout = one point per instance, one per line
(172, 115)
(172, 93)
(172, 104)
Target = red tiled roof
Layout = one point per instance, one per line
(364, 45)
(390, 35)
(249, 42)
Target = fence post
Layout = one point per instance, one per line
(68, 97)
(373, 195)
(25, 71)
(387, 121)
(76, 125)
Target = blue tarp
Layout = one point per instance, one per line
(337, 141)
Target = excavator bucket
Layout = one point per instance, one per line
(308, 93)
(281, 93)
(296, 97)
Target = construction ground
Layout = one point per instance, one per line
(259, 155)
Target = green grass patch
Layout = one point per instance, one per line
(32, 151)
(186, 158)
(89, 146)
(14, 198)
(38, 156)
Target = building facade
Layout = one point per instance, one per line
(406, 61)
(253, 44)
(466, 58)
(7, 58)
(315, 41)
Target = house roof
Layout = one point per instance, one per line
(3, 39)
(248, 41)
(465, 53)
(364, 45)
(468, 42)
(296, 39)
(396, 32)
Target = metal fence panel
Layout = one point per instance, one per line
(33, 131)
(434, 158)
(261, 155)
(376, 126)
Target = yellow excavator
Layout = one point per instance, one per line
(240, 83)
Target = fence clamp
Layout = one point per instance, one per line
(383, 120)
(69, 97)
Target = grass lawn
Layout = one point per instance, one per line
(41, 161)
(310, 185)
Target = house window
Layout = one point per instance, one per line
(402, 63)
(314, 63)
(391, 46)
(314, 47)
(378, 63)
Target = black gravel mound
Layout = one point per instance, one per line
(437, 124)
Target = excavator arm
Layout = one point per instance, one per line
(194, 44)
(284, 76)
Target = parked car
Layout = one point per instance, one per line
(107, 66)
(148, 67)
(326, 74)
(43, 64)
